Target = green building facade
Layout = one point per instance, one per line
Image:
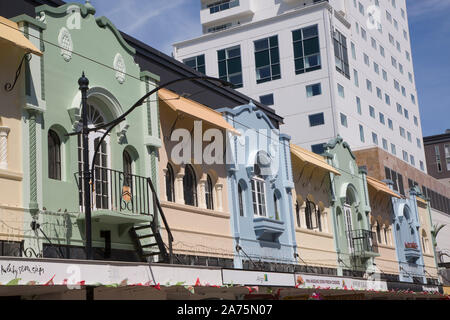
(74, 41)
(351, 208)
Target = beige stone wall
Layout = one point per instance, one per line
(11, 207)
(315, 247)
(197, 230)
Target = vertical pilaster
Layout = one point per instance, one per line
(219, 197)
(33, 205)
(4, 132)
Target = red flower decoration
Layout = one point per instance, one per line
(50, 282)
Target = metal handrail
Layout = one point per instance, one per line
(161, 212)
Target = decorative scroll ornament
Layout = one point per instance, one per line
(66, 44)
(119, 66)
(27, 57)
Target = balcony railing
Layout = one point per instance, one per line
(362, 242)
(117, 191)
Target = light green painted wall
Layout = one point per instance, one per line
(94, 50)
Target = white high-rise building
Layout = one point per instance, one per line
(328, 67)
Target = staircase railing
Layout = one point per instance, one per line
(157, 208)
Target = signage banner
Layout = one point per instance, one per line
(315, 281)
(39, 272)
(311, 281)
(258, 278)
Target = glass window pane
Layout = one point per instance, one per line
(311, 46)
(262, 58)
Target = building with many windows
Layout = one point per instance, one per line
(328, 67)
(437, 150)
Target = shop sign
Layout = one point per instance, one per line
(313, 281)
(257, 278)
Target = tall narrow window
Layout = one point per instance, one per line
(297, 213)
(378, 233)
(127, 168)
(170, 184)
(267, 59)
(341, 55)
(312, 216)
(259, 193)
(54, 156)
(241, 200)
(190, 187)
(306, 49)
(276, 203)
(230, 67)
(209, 194)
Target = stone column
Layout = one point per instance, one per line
(163, 193)
(179, 190)
(202, 192)
(4, 132)
(219, 197)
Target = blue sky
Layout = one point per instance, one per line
(160, 23)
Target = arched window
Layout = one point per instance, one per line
(378, 232)
(127, 168)
(190, 187)
(312, 216)
(209, 194)
(170, 184)
(259, 193)
(241, 200)
(276, 203)
(54, 156)
(297, 213)
(386, 241)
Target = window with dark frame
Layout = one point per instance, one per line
(230, 65)
(267, 60)
(341, 54)
(267, 99)
(127, 168)
(306, 49)
(241, 200)
(170, 183)
(196, 63)
(54, 156)
(190, 186)
(209, 194)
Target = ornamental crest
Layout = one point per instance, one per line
(66, 44)
(119, 66)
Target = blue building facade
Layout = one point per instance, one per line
(407, 239)
(260, 188)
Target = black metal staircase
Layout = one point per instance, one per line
(147, 238)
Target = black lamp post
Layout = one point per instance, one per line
(84, 87)
(88, 171)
